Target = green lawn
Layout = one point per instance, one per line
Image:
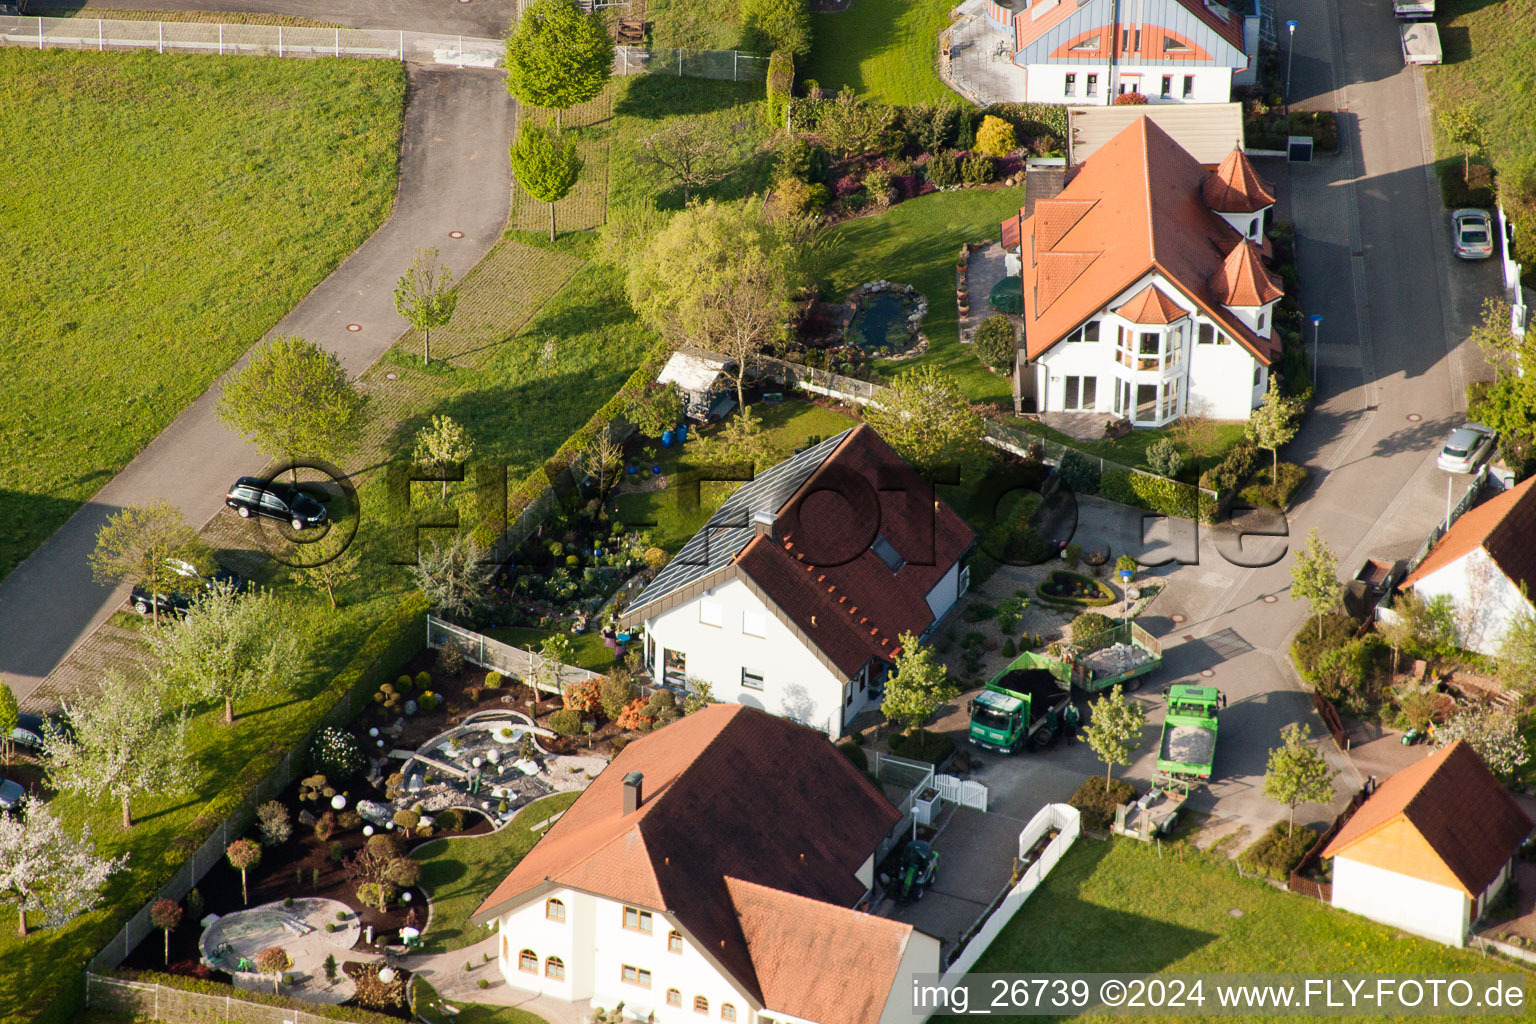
(668, 513)
(1132, 907)
(141, 260)
(430, 1005)
(590, 652)
(888, 50)
(694, 24)
(1131, 450)
(458, 874)
(916, 243)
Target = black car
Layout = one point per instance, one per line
(195, 584)
(252, 496)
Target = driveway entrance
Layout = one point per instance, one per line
(976, 855)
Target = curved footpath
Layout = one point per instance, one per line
(453, 178)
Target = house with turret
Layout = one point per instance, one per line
(1146, 292)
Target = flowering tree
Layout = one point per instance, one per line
(43, 868)
(1491, 731)
(165, 915)
(243, 854)
(124, 743)
(274, 960)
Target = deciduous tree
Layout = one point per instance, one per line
(123, 743)
(546, 165)
(165, 915)
(1273, 424)
(1492, 731)
(555, 653)
(691, 151)
(136, 546)
(331, 561)
(425, 297)
(1517, 654)
(45, 869)
(10, 717)
(274, 960)
(603, 458)
(441, 444)
(1114, 726)
(243, 854)
(295, 400)
(920, 684)
(1315, 577)
(1297, 773)
(1466, 127)
(557, 57)
(229, 646)
(770, 25)
(924, 415)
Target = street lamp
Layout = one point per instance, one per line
(1317, 326)
(1290, 51)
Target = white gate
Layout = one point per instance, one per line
(964, 792)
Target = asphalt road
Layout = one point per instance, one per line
(485, 18)
(453, 178)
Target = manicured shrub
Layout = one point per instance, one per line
(933, 747)
(1275, 854)
(995, 137)
(1159, 494)
(942, 170)
(615, 691)
(566, 722)
(995, 343)
(1130, 99)
(634, 716)
(423, 680)
(1164, 458)
(662, 708)
(855, 753)
(1096, 800)
(1079, 472)
(978, 169)
(877, 185)
(404, 684)
(493, 680)
(274, 823)
(777, 26)
(1232, 470)
(582, 697)
(1061, 588)
(781, 84)
(794, 196)
(1307, 647)
(1091, 630)
(403, 872)
(337, 754)
(1277, 494)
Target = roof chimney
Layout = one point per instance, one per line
(632, 783)
(764, 524)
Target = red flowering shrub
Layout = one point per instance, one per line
(582, 697)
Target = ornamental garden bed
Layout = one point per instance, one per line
(1070, 589)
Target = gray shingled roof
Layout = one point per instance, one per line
(730, 529)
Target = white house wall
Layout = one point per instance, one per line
(944, 593)
(796, 684)
(920, 957)
(1485, 600)
(1412, 904)
(596, 947)
(1221, 383)
(1047, 83)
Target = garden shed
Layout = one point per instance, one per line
(704, 379)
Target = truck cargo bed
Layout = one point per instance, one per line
(1039, 685)
(1188, 744)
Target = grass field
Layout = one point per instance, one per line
(915, 243)
(459, 873)
(694, 24)
(888, 50)
(1132, 907)
(142, 261)
(588, 647)
(429, 1004)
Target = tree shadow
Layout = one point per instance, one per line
(139, 819)
(656, 96)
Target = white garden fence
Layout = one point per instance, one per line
(965, 792)
(504, 658)
(1067, 824)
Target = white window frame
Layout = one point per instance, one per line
(747, 673)
(754, 623)
(716, 617)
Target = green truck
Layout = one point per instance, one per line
(1188, 747)
(1122, 657)
(1022, 706)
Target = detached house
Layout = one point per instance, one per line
(1090, 51)
(793, 596)
(1431, 848)
(1486, 565)
(712, 873)
(1145, 291)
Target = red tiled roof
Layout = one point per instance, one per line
(1235, 187)
(1143, 211)
(1455, 803)
(729, 791)
(1151, 306)
(1011, 231)
(857, 610)
(1504, 526)
(855, 955)
(1242, 280)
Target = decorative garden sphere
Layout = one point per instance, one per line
(389, 825)
(338, 802)
(367, 830)
(374, 731)
(475, 761)
(493, 756)
(386, 974)
(378, 743)
(405, 897)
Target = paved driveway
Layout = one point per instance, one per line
(976, 855)
(453, 177)
(484, 18)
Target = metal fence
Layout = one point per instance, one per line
(154, 1001)
(249, 40)
(1467, 501)
(1314, 856)
(503, 658)
(725, 65)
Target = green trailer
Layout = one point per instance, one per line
(1187, 750)
(1023, 706)
(1122, 657)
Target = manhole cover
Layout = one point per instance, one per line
(1414, 417)
(354, 328)
(1270, 599)
(1176, 619)
(391, 376)
(457, 234)
(1207, 673)
(1234, 912)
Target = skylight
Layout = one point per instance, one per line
(888, 554)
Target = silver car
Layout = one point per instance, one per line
(1473, 233)
(1468, 445)
(10, 794)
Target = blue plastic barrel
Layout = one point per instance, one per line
(666, 439)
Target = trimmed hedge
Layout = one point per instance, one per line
(1155, 493)
(1106, 596)
(214, 988)
(1275, 854)
(1097, 804)
(933, 747)
(1276, 495)
(1318, 125)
